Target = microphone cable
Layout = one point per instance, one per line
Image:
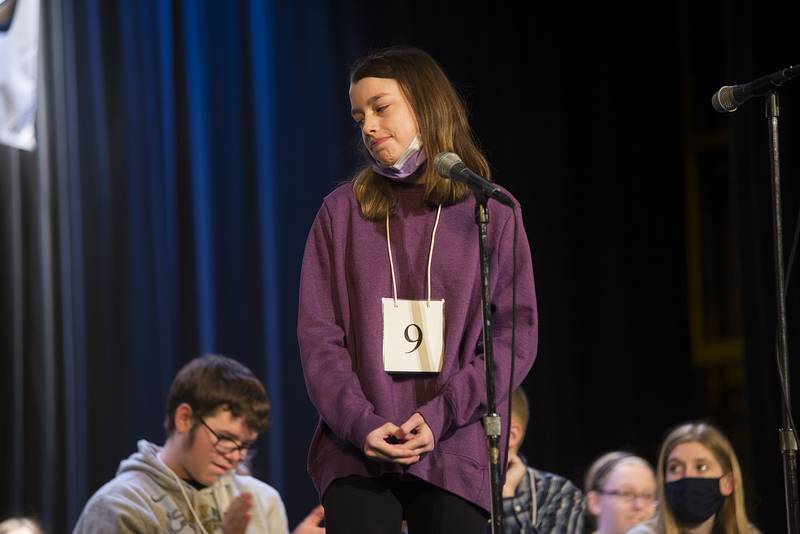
(782, 378)
(513, 337)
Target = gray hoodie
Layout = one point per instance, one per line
(145, 497)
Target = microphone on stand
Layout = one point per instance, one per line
(730, 97)
(449, 165)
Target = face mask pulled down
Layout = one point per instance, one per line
(406, 165)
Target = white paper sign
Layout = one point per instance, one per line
(19, 48)
(413, 335)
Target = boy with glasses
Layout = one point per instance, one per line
(216, 409)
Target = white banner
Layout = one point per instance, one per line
(19, 45)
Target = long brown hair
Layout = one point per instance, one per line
(732, 517)
(443, 126)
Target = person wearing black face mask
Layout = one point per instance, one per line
(699, 485)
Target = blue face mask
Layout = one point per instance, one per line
(406, 165)
(693, 500)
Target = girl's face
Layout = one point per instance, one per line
(693, 459)
(627, 498)
(387, 122)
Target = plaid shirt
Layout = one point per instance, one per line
(559, 506)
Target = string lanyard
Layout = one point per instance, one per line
(534, 510)
(183, 492)
(430, 257)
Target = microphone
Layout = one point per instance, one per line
(728, 98)
(449, 165)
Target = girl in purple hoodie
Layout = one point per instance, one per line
(390, 318)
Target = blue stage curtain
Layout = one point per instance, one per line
(162, 217)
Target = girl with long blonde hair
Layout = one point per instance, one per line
(700, 487)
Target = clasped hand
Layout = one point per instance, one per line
(402, 444)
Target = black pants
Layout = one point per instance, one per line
(356, 505)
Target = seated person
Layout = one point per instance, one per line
(20, 525)
(620, 492)
(700, 487)
(534, 500)
(216, 409)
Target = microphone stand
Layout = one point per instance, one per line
(788, 442)
(491, 421)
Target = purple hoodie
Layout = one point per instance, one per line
(345, 275)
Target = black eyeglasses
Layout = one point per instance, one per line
(630, 496)
(225, 445)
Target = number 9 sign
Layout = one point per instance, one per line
(413, 335)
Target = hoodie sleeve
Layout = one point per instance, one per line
(333, 386)
(463, 399)
(115, 514)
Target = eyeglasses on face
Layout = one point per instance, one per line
(629, 496)
(226, 445)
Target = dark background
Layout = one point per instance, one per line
(185, 148)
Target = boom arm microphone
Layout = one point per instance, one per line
(731, 97)
(449, 165)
